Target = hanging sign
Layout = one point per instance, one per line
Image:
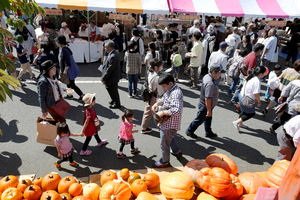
(277, 23)
(120, 17)
(53, 12)
(189, 17)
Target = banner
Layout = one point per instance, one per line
(120, 17)
(189, 17)
(53, 12)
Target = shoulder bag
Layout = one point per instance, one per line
(64, 78)
(97, 124)
(248, 101)
(61, 107)
(146, 94)
(281, 107)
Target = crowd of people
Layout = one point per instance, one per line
(215, 56)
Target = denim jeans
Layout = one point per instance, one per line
(201, 117)
(132, 79)
(235, 81)
(167, 140)
(235, 97)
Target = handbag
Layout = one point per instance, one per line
(146, 94)
(283, 105)
(61, 107)
(97, 124)
(64, 78)
(46, 130)
(248, 101)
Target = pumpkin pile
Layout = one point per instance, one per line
(216, 176)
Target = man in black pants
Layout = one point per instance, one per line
(111, 74)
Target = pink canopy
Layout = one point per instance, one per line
(238, 8)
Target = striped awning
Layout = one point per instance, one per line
(238, 8)
(130, 6)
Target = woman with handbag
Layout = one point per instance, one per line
(49, 91)
(249, 96)
(68, 65)
(292, 93)
(155, 67)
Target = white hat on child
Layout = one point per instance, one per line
(88, 99)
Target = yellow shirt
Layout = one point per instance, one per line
(197, 50)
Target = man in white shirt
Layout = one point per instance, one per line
(219, 57)
(236, 36)
(270, 48)
(193, 29)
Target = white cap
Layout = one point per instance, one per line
(63, 24)
(242, 28)
(230, 41)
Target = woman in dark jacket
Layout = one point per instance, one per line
(49, 91)
(68, 65)
(121, 40)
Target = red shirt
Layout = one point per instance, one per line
(250, 61)
(89, 113)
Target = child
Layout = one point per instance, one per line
(272, 75)
(125, 135)
(64, 146)
(23, 58)
(178, 42)
(176, 62)
(89, 129)
(188, 49)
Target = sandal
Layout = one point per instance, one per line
(135, 150)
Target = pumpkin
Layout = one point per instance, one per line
(192, 169)
(248, 197)
(66, 196)
(133, 177)
(146, 196)
(38, 181)
(12, 194)
(251, 182)
(50, 195)
(92, 191)
(64, 184)
(124, 173)
(206, 196)
(216, 181)
(151, 180)
(75, 189)
(33, 192)
(81, 197)
(177, 185)
(137, 187)
(108, 175)
(7, 182)
(237, 189)
(24, 184)
(276, 172)
(222, 161)
(50, 182)
(115, 190)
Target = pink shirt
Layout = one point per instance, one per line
(125, 128)
(64, 144)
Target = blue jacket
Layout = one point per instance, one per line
(46, 96)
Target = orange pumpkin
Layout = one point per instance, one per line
(50, 182)
(124, 173)
(66, 196)
(33, 192)
(138, 186)
(237, 189)
(92, 191)
(216, 181)
(81, 197)
(206, 196)
(24, 184)
(222, 161)
(50, 195)
(276, 172)
(177, 185)
(108, 175)
(251, 182)
(75, 189)
(64, 184)
(146, 196)
(115, 190)
(12, 194)
(7, 182)
(151, 180)
(38, 181)
(248, 197)
(133, 177)
(192, 169)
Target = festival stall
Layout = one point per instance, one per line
(93, 52)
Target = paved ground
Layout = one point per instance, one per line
(253, 149)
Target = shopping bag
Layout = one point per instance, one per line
(46, 130)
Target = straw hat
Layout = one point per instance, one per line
(88, 99)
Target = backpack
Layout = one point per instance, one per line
(177, 61)
(234, 69)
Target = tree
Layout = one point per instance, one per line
(19, 7)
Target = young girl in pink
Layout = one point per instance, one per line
(125, 135)
(64, 146)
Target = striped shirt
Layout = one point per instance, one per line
(172, 99)
(133, 63)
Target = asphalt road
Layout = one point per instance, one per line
(253, 149)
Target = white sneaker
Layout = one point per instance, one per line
(236, 126)
(243, 126)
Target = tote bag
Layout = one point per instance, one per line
(46, 130)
